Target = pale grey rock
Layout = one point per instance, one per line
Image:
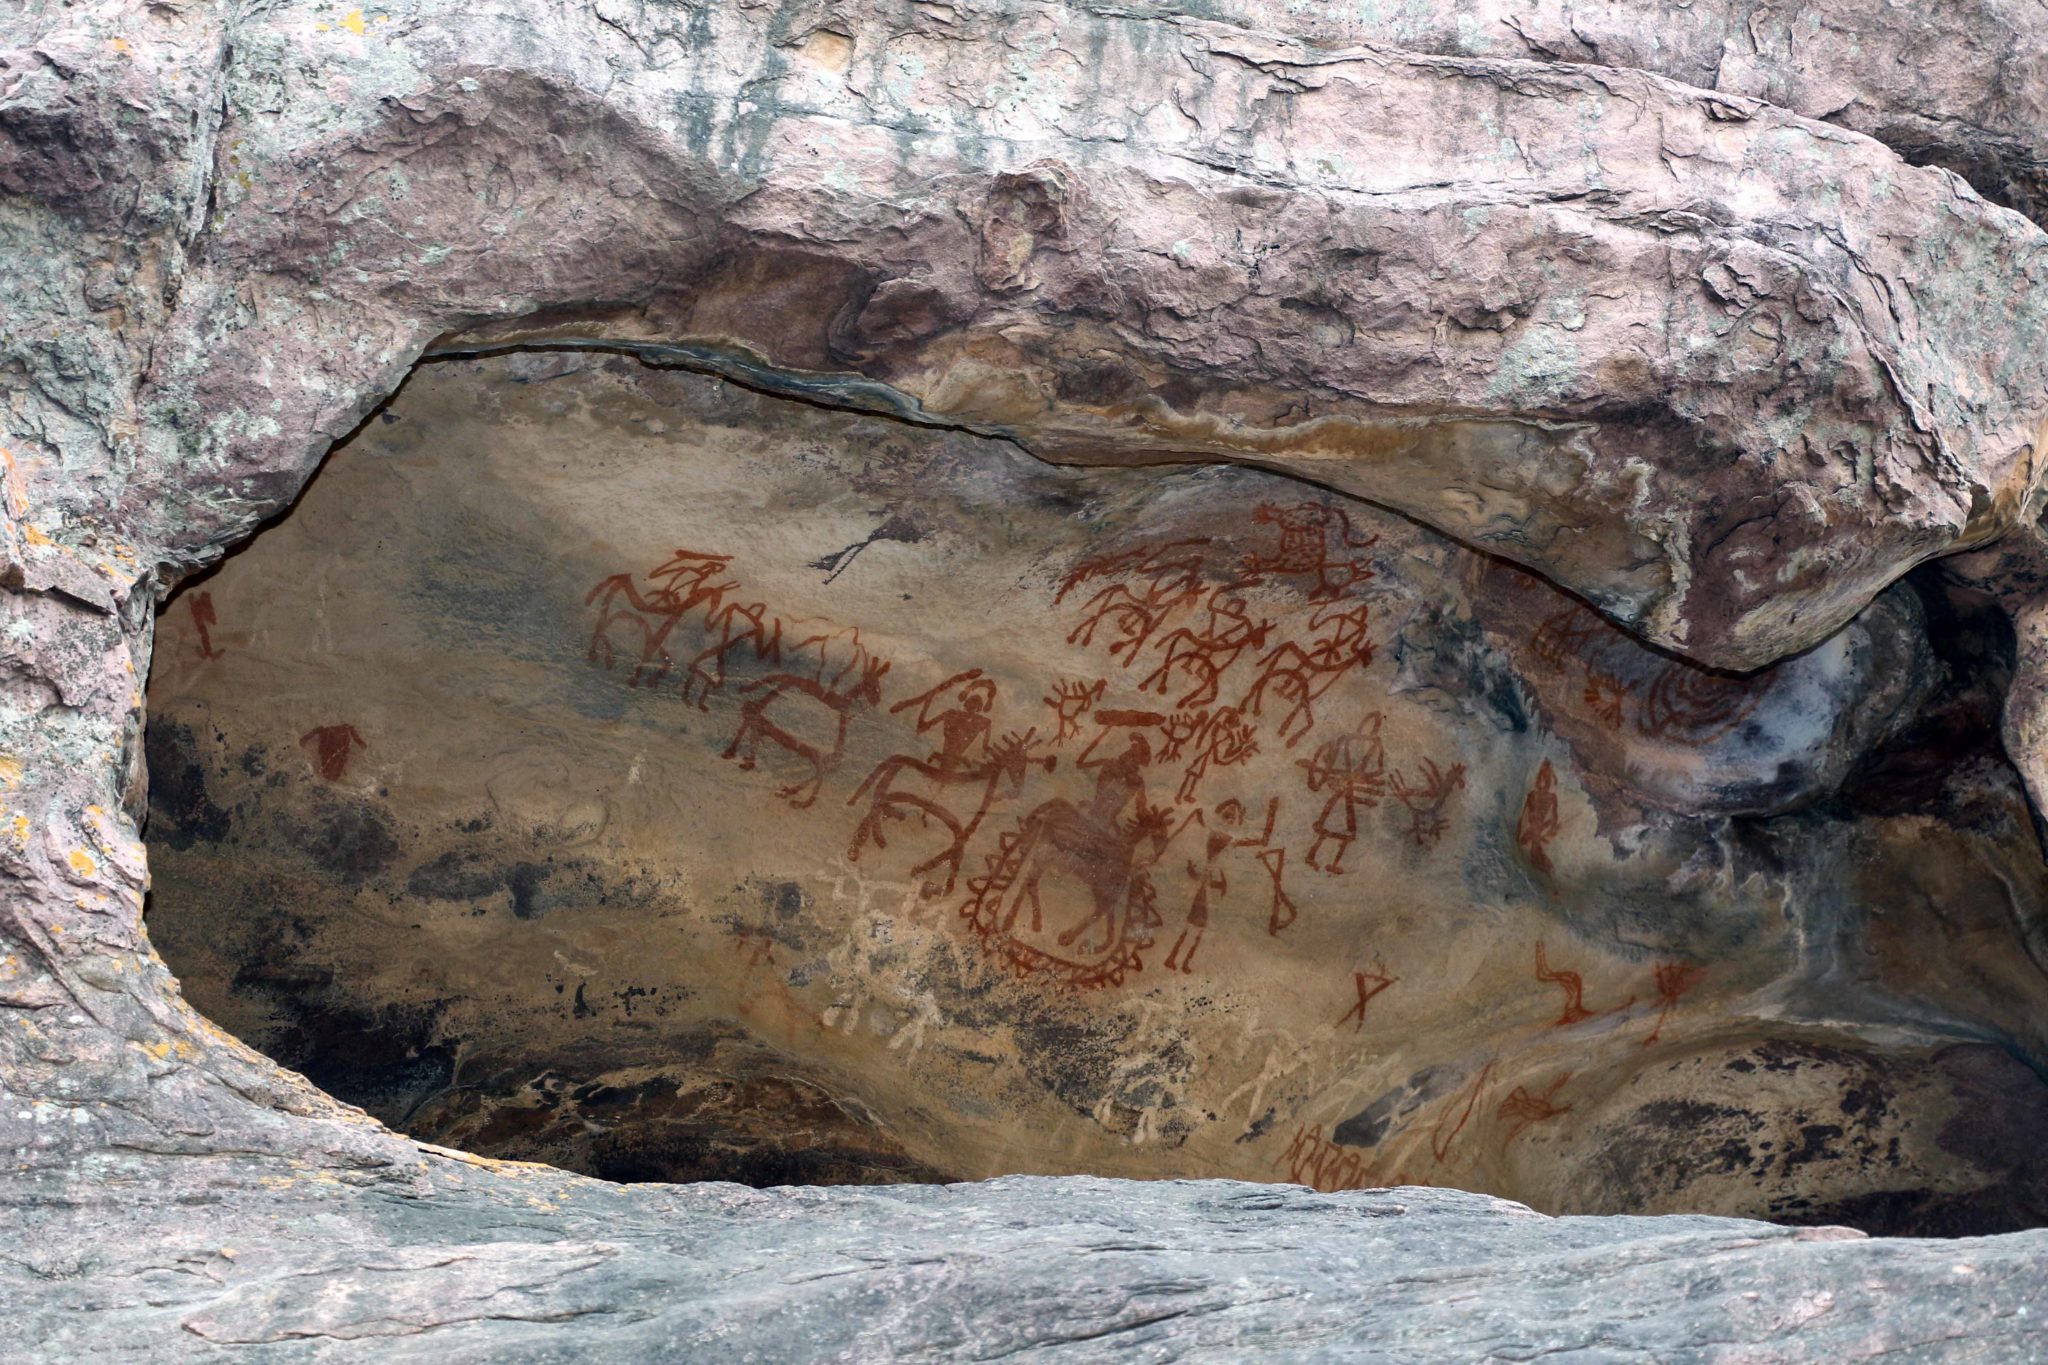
(471, 1264)
(1954, 85)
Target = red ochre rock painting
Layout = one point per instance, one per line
(1079, 887)
(1216, 836)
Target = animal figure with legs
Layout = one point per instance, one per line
(937, 788)
(687, 581)
(1205, 655)
(1097, 845)
(1313, 539)
(793, 711)
(1301, 676)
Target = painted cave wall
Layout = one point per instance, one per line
(609, 765)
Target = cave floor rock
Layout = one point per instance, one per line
(235, 1258)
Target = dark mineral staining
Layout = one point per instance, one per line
(282, 976)
(1786, 1055)
(456, 875)
(386, 1058)
(1816, 1143)
(786, 899)
(531, 887)
(1666, 1144)
(525, 881)
(2001, 1116)
(1072, 1057)
(679, 1126)
(181, 809)
(1957, 729)
(1866, 1104)
(349, 838)
(1260, 1126)
(1369, 1126)
(1917, 1211)
(1695, 1114)
(629, 999)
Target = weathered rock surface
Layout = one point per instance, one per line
(1197, 242)
(1956, 85)
(469, 1263)
(610, 766)
(1670, 378)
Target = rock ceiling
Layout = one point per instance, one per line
(598, 748)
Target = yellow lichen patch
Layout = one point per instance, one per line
(120, 45)
(21, 828)
(487, 1163)
(160, 1051)
(82, 863)
(10, 772)
(828, 51)
(36, 537)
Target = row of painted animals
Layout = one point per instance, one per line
(820, 675)
(805, 710)
(1183, 606)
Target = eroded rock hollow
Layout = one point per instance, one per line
(610, 765)
(903, 593)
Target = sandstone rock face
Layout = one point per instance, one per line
(602, 753)
(1001, 588)
(1731, 453)
(1958, 86)
(473, 1265)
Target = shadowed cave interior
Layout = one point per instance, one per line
(611, 766)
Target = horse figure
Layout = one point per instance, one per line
(1208, 653)
(685, 584)
(807, 717)
(1130, 617)
(1300, 676)
(903, 785)
(651, 620)
(736, 625)
(1093, 844)
(1107, 858)
(1171, 579)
